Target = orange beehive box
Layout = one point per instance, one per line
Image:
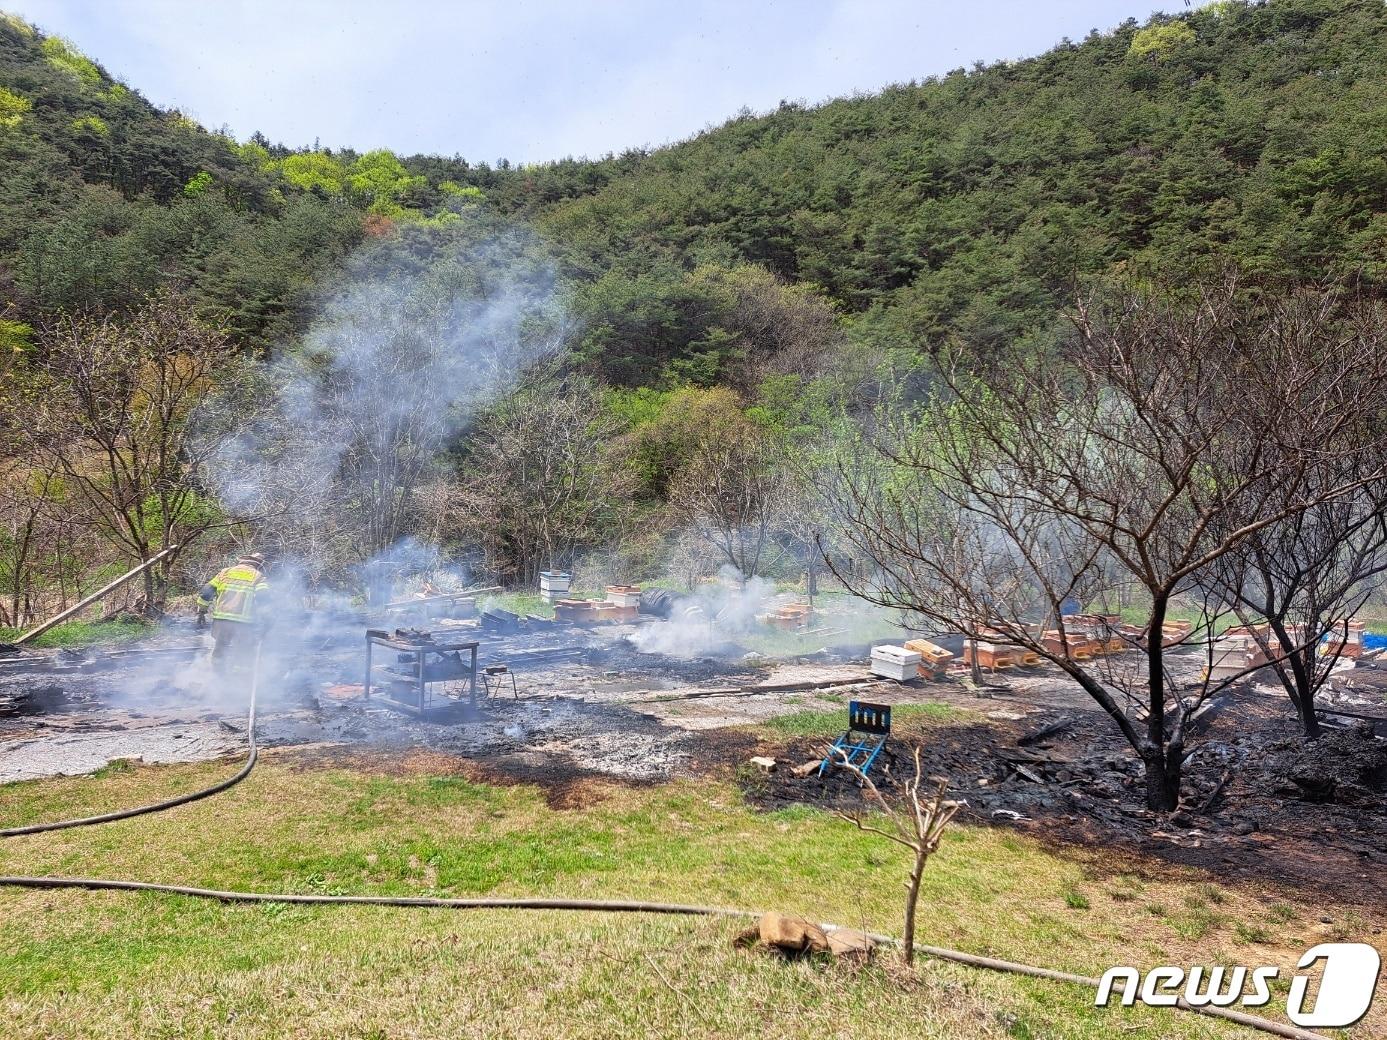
(1098, 631)
(1080, 647)
(989, 655)
(1173, 632)
(1347, 643)
(790, 616)
(604, 612)
(934, 660)
(579, 611)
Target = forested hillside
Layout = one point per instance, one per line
(964, 203)
(746, 276)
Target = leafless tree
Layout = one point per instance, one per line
(731, 491)
(1301, 579)
(918, 825)
(1165, 433)
(27, 516)
(122, 409)
(537, 483)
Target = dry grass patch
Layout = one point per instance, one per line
(94, 964)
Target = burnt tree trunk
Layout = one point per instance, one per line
(1162, 763)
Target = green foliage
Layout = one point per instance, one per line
(466, 192)
(379, 181)
(85, 633)
(16, 337)
(63, 54)
(966, 206)
(666, 429)
(12, 108)
(1158, 41)
(91, 125)
(314, 171)
(198, 185)
(16, 24)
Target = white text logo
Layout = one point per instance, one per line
(1347, 981)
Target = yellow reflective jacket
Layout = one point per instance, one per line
(232, 593)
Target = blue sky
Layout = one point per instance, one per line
(533, 80)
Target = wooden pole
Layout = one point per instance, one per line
(94, 596)
(424, 601)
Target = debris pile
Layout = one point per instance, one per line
(1347, 766)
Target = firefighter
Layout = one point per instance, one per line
(238, 599)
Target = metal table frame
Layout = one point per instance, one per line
(424, 699)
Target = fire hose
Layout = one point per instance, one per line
(516, 903)
(252, 755)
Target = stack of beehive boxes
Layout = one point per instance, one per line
(1232, 653)
(990, 654)
(627, 601)
(1347, 643)
(1175, 632)
(934, 660)
(1245, 636)
(895, 662)
(553, 585)
(578, 611)
(791, 616)
(1100, 633)
(1080, 647)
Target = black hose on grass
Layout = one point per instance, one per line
(168, 803)
(515, 903)
(611, 906)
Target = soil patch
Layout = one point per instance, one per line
(564, 784)
(1260, 804)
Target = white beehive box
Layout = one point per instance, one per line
(553, 585)
(895, 662)
(624, 595)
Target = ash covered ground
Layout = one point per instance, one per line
(601, 706)
(1259, 803)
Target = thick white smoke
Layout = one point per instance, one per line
(429, 328)
(709, 617)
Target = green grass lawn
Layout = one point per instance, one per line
(108, 964)
(84, 633)
(828, 722)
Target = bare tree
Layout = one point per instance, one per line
(26, 517)
(428, 331)
(123, 410)
(537, 483)
(1163, 435)
(918, 826)
(1295, 582)
(731, 491)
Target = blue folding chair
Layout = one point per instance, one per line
(868, 727)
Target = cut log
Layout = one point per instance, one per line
(849, 942)
(791, 934)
